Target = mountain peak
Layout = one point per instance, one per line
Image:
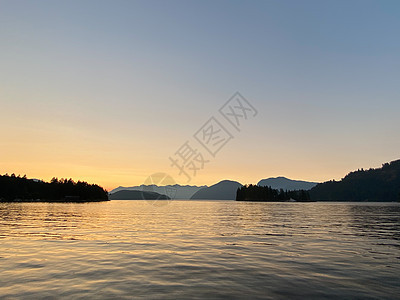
(227, 181)
(286, 183)
(223, 190)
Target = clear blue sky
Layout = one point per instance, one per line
(107, 90)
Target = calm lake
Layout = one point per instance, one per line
(200, 250)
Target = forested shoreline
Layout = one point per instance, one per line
(21, 189)
(253, 192)
(380, 185)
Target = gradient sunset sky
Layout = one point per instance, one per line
(107, 91)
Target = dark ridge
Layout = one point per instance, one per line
(380, 185)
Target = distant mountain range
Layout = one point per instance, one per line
(223, 190)
(175, 191)
(381, 184)
(286, 184)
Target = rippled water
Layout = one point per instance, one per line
(199, 249)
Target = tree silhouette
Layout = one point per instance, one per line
(14, 188)
(253, 192)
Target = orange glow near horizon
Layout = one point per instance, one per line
(110, 174)
(56, 148)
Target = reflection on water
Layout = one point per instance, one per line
(199, 249)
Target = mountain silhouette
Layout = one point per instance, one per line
(223, 190)
(175, 191)
(286, 184)
(381, 184)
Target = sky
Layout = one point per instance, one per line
(110, 91)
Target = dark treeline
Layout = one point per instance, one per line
(16, 188)
(264, 193)
(381, 184)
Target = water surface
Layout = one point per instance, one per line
(200, 249)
